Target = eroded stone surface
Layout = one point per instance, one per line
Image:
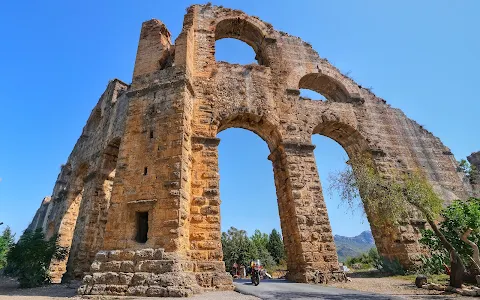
(150, 272)
(151, 146)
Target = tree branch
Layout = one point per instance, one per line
(476, 253)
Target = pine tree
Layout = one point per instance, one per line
(6, 242)
(275, 246)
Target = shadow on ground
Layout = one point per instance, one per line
(9, 287)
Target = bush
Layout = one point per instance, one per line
(434, 264)
(392, 266)
(29, 259)
(368, 260)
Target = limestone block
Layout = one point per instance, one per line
(115, 289)
(157, 291)
(144, 254)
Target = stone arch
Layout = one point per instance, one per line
(245, 31)
(68, 220)
(387, 238)
(329, 87)
(89, 234)
(257, 124)
(347, 136)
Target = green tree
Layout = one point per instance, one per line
(275, 246)
(237, 248)
(260, 242)
(6, 243)
(29, 259)
(469, 170)
(390, 200)
(461, 227)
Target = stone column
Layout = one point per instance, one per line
(305, 225)
(205, 234)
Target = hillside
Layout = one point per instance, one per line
(353, 246)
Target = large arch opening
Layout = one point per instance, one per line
(350, 227)
(233, 51)
(336, 143)
(249, 208)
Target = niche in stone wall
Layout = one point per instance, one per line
(141, 219)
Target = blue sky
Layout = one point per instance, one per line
(56, 58)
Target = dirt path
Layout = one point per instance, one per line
(394, 286)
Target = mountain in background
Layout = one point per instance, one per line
(353, 246)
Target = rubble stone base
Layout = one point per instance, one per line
(150, 272)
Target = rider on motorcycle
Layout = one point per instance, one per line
(255, 269)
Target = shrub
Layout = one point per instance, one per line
(29, 259)
(392, 266)
(434, 264)
(368, 260)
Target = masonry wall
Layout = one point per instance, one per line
(75, 212)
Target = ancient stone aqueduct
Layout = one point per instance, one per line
(138, 203)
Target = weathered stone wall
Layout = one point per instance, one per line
(80, 198)
(474, 160)
(42, 211)
(153, 147)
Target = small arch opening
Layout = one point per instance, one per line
(331, 89)
(312, 95)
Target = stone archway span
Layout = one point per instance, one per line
(328, 86)
(346, 135)
(260, 125)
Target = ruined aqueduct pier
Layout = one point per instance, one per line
(138, 202)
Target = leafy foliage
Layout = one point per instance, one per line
(469, 170)
(367, 260)
(391, 266)
(389, 200)
(240, 249)
(434, 264)
(237, 247)
(30, 257)
(275, 246)
(457, 218)
(6, 243)
(372, 259)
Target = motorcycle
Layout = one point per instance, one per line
(255, 276)
(255, 271)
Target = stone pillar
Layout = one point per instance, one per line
(305, 225)
(154, 48)
(205, 231)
